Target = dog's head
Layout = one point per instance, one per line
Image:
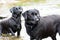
(16, 11)
(32, 15)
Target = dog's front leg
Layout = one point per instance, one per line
(31, 38)
(0, 30)
(13, 34)
(38, 39)
(18, 30)
(53, 37)
(18, 33)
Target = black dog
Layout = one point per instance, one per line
(13, 24)
(32, 18)
(41, 27)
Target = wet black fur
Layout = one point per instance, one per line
(13, 24)
(44, 27)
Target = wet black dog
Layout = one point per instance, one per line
(13, 24)
(41, 27)
(32, 18)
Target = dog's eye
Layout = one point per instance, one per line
(32, 13)
(19, 8)
(35, 13)
(16, 9)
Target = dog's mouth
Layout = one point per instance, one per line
(32, 22)
(17, 14)
(20, 12)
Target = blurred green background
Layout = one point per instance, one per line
(10, 3)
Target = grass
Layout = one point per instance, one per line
(58, 5)
(25, 3)
(9, 37)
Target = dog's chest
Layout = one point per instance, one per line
(12, 22)
(18, 20)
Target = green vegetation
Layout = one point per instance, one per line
(58, 5)
(41, 1)
(25, 2)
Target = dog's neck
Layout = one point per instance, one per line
(31, 25)
(17, 20)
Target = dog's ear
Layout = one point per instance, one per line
(25, 14)
(37, 11)
(11, 10)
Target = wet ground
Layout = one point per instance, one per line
(9, 37)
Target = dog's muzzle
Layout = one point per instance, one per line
(20, 10)
(36, 18)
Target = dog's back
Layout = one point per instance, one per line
(6, 24)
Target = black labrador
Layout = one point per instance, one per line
(13, 24)
(41, 27)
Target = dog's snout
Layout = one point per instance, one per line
(20, 10)
(36, 18)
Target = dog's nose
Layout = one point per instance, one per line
(37, 19)
(20, 10)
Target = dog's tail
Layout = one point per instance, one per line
(2, 17)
